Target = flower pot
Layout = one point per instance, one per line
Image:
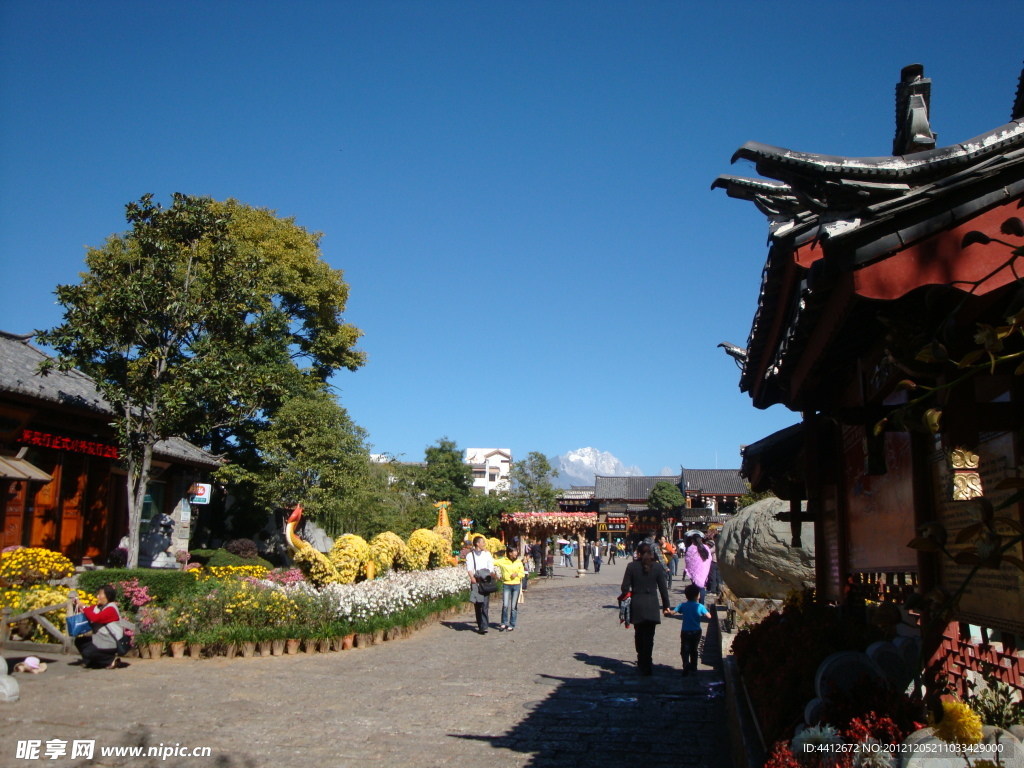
(309, 645)
(156, 650)
(324, 645)
(364, 640)
(265, 647)
(143, 651)
(195, 650)
(231, 650)
(291, 645)
(178, 649)
(347, 642)
(248, 649)
(378, 636)
(336, 643)
(393, 633)
(277, 647)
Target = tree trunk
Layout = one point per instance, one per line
(137, 483)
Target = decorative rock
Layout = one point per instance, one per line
(9, 689)
(1012, 754)
(843, 670)
(755, 558)
(924, 744)
(316, 536)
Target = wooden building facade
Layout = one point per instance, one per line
(61, 483)
(882, 275)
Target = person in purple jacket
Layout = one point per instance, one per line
(698, 563)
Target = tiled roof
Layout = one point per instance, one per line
(858, 210)
(714, 482)
(635, 487)
(578, 492)
(19, 364)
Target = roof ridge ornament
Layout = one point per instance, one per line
(913, 110)
(1018, 102)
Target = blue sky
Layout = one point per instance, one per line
(518, 192)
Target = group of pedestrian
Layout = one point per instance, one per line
(483, 568)
(646, 583)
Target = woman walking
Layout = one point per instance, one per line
(645, 581)
(512, 574)
(698, 563)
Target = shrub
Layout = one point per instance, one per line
(243, 548)
(162, 584)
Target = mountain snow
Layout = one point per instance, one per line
(580, 466)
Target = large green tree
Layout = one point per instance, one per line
(197, 318)
(446, 476)
(311, 452)
(531, 484)
(666, 497)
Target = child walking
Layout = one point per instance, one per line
(693, 612)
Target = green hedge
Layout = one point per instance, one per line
(163, 584)
(221, 558)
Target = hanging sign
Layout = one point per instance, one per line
(201, 493)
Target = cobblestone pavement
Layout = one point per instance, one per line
(561, 690)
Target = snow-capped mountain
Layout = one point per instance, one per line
(579, 467)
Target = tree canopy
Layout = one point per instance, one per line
(446, 476)
(196, 319)
(666, 497)
(531, 483)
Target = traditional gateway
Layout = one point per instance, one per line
(882, 274)
(61, 483)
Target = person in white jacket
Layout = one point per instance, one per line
(479, 563)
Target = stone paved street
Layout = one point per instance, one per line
(561, 690)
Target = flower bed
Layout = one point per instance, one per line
(224, 612)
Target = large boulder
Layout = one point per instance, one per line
(755, 558)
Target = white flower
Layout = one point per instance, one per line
(804, 744)
(870, 754)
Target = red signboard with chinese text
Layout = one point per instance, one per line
(59, 443)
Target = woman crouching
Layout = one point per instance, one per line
(99, 647)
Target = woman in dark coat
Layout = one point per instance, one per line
(645, 579)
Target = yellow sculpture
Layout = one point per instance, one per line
(317, 568)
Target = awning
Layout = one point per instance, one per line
(17, 468)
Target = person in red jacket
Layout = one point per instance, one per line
(99, 647)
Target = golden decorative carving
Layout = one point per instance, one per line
(966, 486)
(962, 458)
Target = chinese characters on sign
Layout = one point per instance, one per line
(32, 749)
(44, 440)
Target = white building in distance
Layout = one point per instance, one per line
(491, 468)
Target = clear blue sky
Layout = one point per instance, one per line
(518, 192)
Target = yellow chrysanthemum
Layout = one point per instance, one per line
(349, 555)
(387, 550)
(960, 724)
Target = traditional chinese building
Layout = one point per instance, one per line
(61, 482)
(881, 270)
(716, 490)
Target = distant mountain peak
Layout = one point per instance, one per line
(579, 466)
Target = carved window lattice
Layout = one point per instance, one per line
(961, 658)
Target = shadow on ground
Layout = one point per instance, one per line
(665, 720)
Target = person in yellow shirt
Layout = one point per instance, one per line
(512, 573)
